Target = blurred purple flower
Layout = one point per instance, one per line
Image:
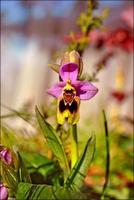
(70, 91)
(3, 192)
(6, 156)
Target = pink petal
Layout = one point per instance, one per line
(69, 71)
(85, 90)
(56, 90)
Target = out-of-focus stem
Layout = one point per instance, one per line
(74, 145)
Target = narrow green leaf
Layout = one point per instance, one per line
(107, 154)
(14, 114)
(9, 176)
(39, 192)
(54, 142)
(7, 136)
(79, 171)
(23, 115)
(22, 171)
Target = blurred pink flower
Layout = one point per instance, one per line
(3, 192)
(97, 38)
(121, 38)
(127, 16)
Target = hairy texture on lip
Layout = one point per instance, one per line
(68, 96)
(72, 108)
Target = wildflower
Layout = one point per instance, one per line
(121, 38)
(118, 93)
(127, 16)
(6, 156)
(97, 38)
(3, 192)
(70, 91)
(119, 96)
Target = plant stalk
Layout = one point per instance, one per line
(74, 145)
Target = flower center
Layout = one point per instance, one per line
(69, 93)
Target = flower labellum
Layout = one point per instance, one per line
(70, 91)
(68, 105)
(3, 192)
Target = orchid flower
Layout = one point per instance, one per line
(70, 90)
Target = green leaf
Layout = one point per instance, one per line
(23, 173)
(54, 142)
(39, 192)
(41, 165)
(35, 159)
(79, 171)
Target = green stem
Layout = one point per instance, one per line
(107, 155)
(74, 145)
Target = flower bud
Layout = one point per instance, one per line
(6, 156)
(3, 192)
(72, 57)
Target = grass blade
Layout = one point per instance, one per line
(23, 173)
(107, 154)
